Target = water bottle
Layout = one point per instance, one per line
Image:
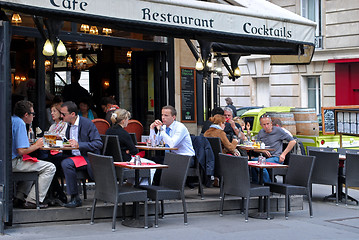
(137, 160)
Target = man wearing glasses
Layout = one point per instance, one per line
(273, 137)
(22, 162)
(83, 135)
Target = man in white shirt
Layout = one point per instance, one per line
(173, 133)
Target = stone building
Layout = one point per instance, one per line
(329, 80)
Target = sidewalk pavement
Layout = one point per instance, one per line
(329, 222)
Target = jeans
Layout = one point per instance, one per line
(266, 177)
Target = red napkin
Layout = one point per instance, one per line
(141, 154)
(79, 161)
(29, 158)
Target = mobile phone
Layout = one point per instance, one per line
(65, 139)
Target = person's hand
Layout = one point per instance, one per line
(156, 123)
(282, 158)
(39, 143)
(267, 153)
(235, 141)
(74, 143)
(236, 153)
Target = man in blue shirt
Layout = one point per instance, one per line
(22, 162)
(173, 133)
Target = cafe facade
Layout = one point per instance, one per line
(143, 53)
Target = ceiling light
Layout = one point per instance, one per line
(129, 54)
(84, 28)
(16, 19)
(237, 72)
(94, 30)
(69, 59)
(107, 31)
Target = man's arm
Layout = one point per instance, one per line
(289, 147)
(23, 151)
(178, 135)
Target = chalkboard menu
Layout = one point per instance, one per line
(188, 95)
(329, 121)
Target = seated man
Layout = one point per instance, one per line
(232, 129)
(172, 133)
(82, 134)
(273, 137)
(21, 162)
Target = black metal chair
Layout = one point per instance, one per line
(134, 138)
(113, 149)
(236, 182)
(298, 181)
(28, 176)
(108, 190)
(173, 180)
(216, 146)
(322, 149)
(351, 173)
(104, 141)
(325, 169)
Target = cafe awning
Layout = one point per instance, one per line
(254, 23)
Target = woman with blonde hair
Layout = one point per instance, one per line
(120, 119)
(216, 130)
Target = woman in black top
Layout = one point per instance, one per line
(120, 120)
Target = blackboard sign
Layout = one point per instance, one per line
(328, 121)
(188, 95)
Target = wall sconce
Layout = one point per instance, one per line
(106, 84)
(69, 60)
(107, 31)
(129, 54)
(61, 49)
(16, 19)
(48, 49)
(22, 78)
(84, 28)
(199, 65)
(94, 30)
(17, 78)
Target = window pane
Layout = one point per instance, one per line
(311, 99)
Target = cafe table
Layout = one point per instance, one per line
(250, 149)
(262, 166)
(136, 222)
(155, 148)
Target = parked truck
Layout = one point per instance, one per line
(320, 140)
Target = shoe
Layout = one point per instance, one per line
(216, 182)
(31, 205)
(18, 203)
(76, 202)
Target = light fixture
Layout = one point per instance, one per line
(94, 30)
(209, 65)
(69, 59)
(17, 78)
(16, 19)
(22, 78)
(199, 65)
(129, 54)
(84, 28)
(61, 49)
(106, 84)
(48, 49)
(47, 63)
(237, 72)
(107, 31)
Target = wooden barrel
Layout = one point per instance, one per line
(306, 121)
(287, 120)
(304, 114)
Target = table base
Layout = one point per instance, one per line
(260, 215)
(135, 223)
(341, 197)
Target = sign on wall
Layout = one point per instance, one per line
(328, 118)
(188, 95)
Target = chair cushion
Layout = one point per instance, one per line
(259, 190)
(161, 193)
(289, 189)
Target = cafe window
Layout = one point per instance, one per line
(314, 93)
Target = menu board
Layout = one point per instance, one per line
(329, 121)
(347, 122)
(188, 95)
